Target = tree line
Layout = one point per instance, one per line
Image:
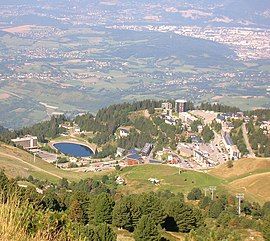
(91, 209)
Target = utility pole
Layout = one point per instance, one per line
(240, 197)
(212, 189)
(34, 157)
(205, 191)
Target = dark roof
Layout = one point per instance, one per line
(155, 161)
(196, 139)
(134, 157)
(132, 151)
(228, 139)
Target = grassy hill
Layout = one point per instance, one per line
(250, 176)
(137, 179)
(17, 162)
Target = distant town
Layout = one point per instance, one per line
(202, 139)
(248, 43)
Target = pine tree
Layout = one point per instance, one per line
(103, 209)
(75, 211)
(122, 216)
(136, 212)
(185, 217)
(152, 205)
(146, 230)
(215, 209)
(104, 232)
(195, 194)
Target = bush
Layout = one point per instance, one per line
(195, 194)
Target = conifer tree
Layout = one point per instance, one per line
(152, 205)
(146, 230)
(103, 209)
(75, 211)
(104, 232)
(122, 216)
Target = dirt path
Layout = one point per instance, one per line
(244, 129)
(29, 164)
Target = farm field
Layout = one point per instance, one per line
(79, 65)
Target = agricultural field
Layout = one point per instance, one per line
(83, 69)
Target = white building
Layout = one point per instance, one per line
(123, 132)
(28, 142)
(232, 149)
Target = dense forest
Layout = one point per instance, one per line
(91, 210)
(259, 141)
(43, 130)
(216, 107)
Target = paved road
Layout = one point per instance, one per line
(29, 164)
(244, 129)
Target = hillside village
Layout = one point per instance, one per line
(153, 132)
(198, 161)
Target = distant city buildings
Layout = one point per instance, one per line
(28, 142)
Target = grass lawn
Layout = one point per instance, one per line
(137, 179)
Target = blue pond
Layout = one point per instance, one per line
(72, 149)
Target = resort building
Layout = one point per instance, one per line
(167, 108)
(147, 149)
(232, 149)
(28, 142)
(180, 106)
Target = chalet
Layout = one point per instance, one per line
(154, 180)
(133, 159)
(123, 132)
(120, 181)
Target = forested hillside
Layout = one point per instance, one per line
(90, 210)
